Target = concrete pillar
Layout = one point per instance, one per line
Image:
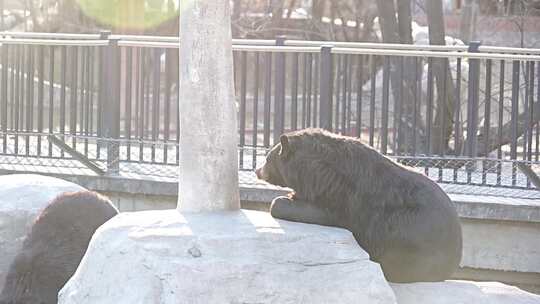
(208, 127)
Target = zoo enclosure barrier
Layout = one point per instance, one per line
(461, 114)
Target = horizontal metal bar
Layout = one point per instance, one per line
(173, 39)
(298, 43)
(254, 42)
(102, 139)
(54, 42)
(395, 46)
(433, 54)
(508, 50)
(464, 159)
(276, 49)
(369, 45)
(51, 35)
(236, 47)
(148, 44)
(416, 47)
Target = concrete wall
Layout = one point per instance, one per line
(504, 251)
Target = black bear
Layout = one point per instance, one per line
(401, 218)
(54, 247)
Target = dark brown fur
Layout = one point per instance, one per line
(400, 217)
(54, 247)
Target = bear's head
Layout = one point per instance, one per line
(274, 169)
(305, 161)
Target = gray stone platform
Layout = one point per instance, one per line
(223, 257)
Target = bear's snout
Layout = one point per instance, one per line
(258, 172)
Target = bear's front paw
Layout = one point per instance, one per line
(300, 211)
(280, 206)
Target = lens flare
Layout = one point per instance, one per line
(130, 14)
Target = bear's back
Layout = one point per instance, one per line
(401, 217)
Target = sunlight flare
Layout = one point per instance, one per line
(125, 14)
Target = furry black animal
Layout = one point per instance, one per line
(401, 218)
(54, 247)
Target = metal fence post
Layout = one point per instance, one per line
(111, 104)
(514, 117)
(279, 97)
(326, 86)
(472, 99)
(4, 95)
(385, 105)
(103, 35)
(514, 112)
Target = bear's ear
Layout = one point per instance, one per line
(285, 146)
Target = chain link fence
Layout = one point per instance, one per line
(137, 159)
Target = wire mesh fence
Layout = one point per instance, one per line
(508, 178)
(84, 155)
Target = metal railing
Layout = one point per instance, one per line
(462, 114)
